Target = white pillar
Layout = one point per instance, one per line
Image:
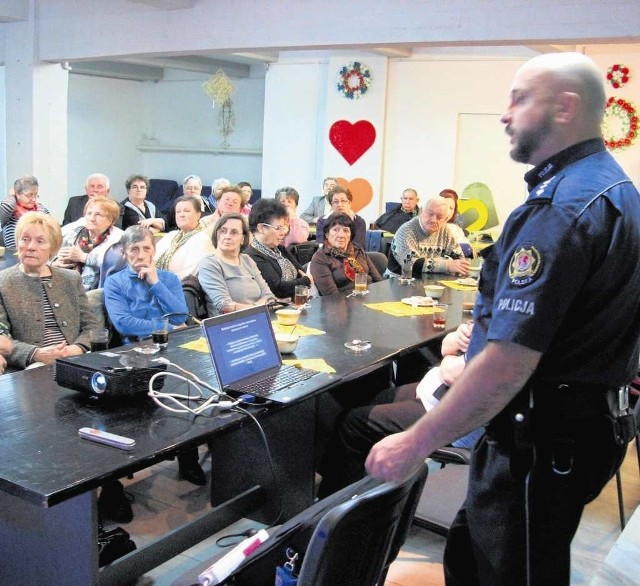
(36, 116)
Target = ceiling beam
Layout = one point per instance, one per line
(193, 63)
(167, 4)
(393, 52)
(117, 70)
(14, 10)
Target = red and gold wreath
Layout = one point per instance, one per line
(618, 75)
(620, 124)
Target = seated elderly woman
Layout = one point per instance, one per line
(86, 240)
(45, 308)
(340, 199)
(139, 293)
(230, 201)
(136, 209)
(181, 250)
(298, 228)
(334, 266)
(281, 271)
(23, 199)
(192, 185)
(231, 279)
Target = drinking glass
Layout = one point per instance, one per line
(440, 316)
(99, 339)
(406, 276)
(361, 284)
(301, 296)
(160, 332)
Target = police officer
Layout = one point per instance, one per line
(556, 334)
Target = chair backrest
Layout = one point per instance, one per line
(195, 297)
(162, 192)
(303, 251)
(112, 262)
(354, 542)
(380, 260)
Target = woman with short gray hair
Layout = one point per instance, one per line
(23, 199)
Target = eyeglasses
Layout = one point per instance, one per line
(281, 229)
(139, 187)
(29, 194)
(339, 201)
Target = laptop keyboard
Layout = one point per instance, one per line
(285, 377)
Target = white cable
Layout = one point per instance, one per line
(212, 402)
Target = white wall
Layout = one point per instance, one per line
(4, 181)
(108, 119)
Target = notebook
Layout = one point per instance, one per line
(246, 359)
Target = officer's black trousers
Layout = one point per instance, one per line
(517, 505)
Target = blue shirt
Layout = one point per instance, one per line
(564, 278)
(132, 303)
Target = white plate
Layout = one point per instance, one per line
(419, 301)
(470, 281)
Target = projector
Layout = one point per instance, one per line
(107, 374)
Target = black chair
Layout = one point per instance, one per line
(379, 260)
(634, 393)
(112, 262)
(196, 299)
(355, 542)
(445, 491)
(303, 251)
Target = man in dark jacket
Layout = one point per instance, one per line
(391, 221)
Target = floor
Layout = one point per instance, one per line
(163, 502)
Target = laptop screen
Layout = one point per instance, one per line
(242, 344)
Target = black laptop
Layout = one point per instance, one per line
(245, 355)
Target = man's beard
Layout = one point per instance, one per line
(528, 141)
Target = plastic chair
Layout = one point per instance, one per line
(355, 542)
(633, 392)
(304, 251)
(196, 299)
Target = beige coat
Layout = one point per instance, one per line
(21, 309)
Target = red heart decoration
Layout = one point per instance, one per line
(352, 140)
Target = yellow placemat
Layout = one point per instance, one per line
(317, 364)
(459, 286)
(300, 330)
(399, 309)
(199, 345)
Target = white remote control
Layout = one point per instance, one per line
(110, 439)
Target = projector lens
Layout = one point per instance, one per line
(98, 383)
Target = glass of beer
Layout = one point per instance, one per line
(160, 332)
(301, 296)
(99, 339)
(440, 316)
(361, 283)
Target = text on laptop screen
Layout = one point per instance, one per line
(242, 346)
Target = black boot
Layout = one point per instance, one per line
(114, 504)
(190, 468)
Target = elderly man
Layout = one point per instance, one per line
(96, 184)
(320, 206)
(427, 242)
(555, 340)
(407, 210)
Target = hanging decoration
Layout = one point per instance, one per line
(618, 75)
(354, 80)
(620, 124)
(219, 88)
(352, 140)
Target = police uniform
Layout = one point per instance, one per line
(563, 280)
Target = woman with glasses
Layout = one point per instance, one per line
(231, 279)
(85, 241)
(23, 199)
(135, 210)
(268, 222)
(340, 199)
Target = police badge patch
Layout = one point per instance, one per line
(525, 265)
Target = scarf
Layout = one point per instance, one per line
(87, 243)
(287, 268)
(348, 257)
(162, 262)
